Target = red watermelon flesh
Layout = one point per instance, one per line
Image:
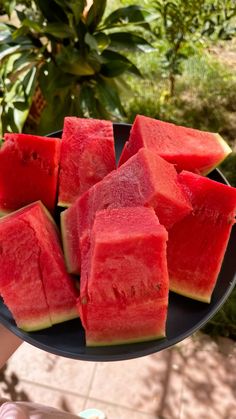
(125, 154)
(59, 287)
(110, 323)
(33, 281)
(197, 244)
(69, 227)
(146, 179)
(87, 156)
(20, 276)
(187, 148)
(35, 161)
(124, 277)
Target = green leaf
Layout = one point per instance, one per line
(77, 8)
(22, 31)
(52, 11)
(24, 59)
(11, 120)
(90, 40)
(129, 14)
(6, 50)
(5, 32)
(31, 24)
(95, 14)
(10, 6)
(74, 7)
(58, 30)
(129, 41)
(88, 101)
(21, 106)
(102, 40)
(53, 80)
(72, 62)
(29, 81)
(95, 60)
(108, 95)
(116, 64)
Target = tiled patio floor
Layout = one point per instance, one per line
(193, 380)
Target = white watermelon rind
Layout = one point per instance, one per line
(193, 296)
(66, 252)
(226, 150)
(64, 204)
(91, 343)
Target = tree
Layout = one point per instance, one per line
(183, 25)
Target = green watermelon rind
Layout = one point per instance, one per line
(28, 206)
(64, 204)
(59, 317)
(63, 237)
(66, 251)
(64, 316)
(3, 213)
(34, 325)
(31, 325)
(226, 150)
(124, 342)
(198, 297)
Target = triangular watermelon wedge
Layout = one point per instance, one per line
(34, 283)
(197, 244)
(189, 149)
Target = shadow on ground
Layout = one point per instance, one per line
(197, 381)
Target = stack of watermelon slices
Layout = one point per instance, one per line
(189, 207)
(34, 282)
(154, 224)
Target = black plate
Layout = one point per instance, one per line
(185, 316)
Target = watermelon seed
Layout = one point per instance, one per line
(34, 155)
(25, 157)
(84, 300)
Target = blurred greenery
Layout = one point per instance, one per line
(73, 57)
(205, 95)
(171, 60)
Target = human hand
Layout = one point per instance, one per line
(28, 410)
(8, 344)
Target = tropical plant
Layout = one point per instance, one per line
(73, 56)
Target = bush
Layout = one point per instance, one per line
(75, 57)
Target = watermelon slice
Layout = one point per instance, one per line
(33, 280)
(35, 161)
(187, 148)
(70, 239)
(197, 244)
(146, 179)
(87, 156)
(124, 278)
